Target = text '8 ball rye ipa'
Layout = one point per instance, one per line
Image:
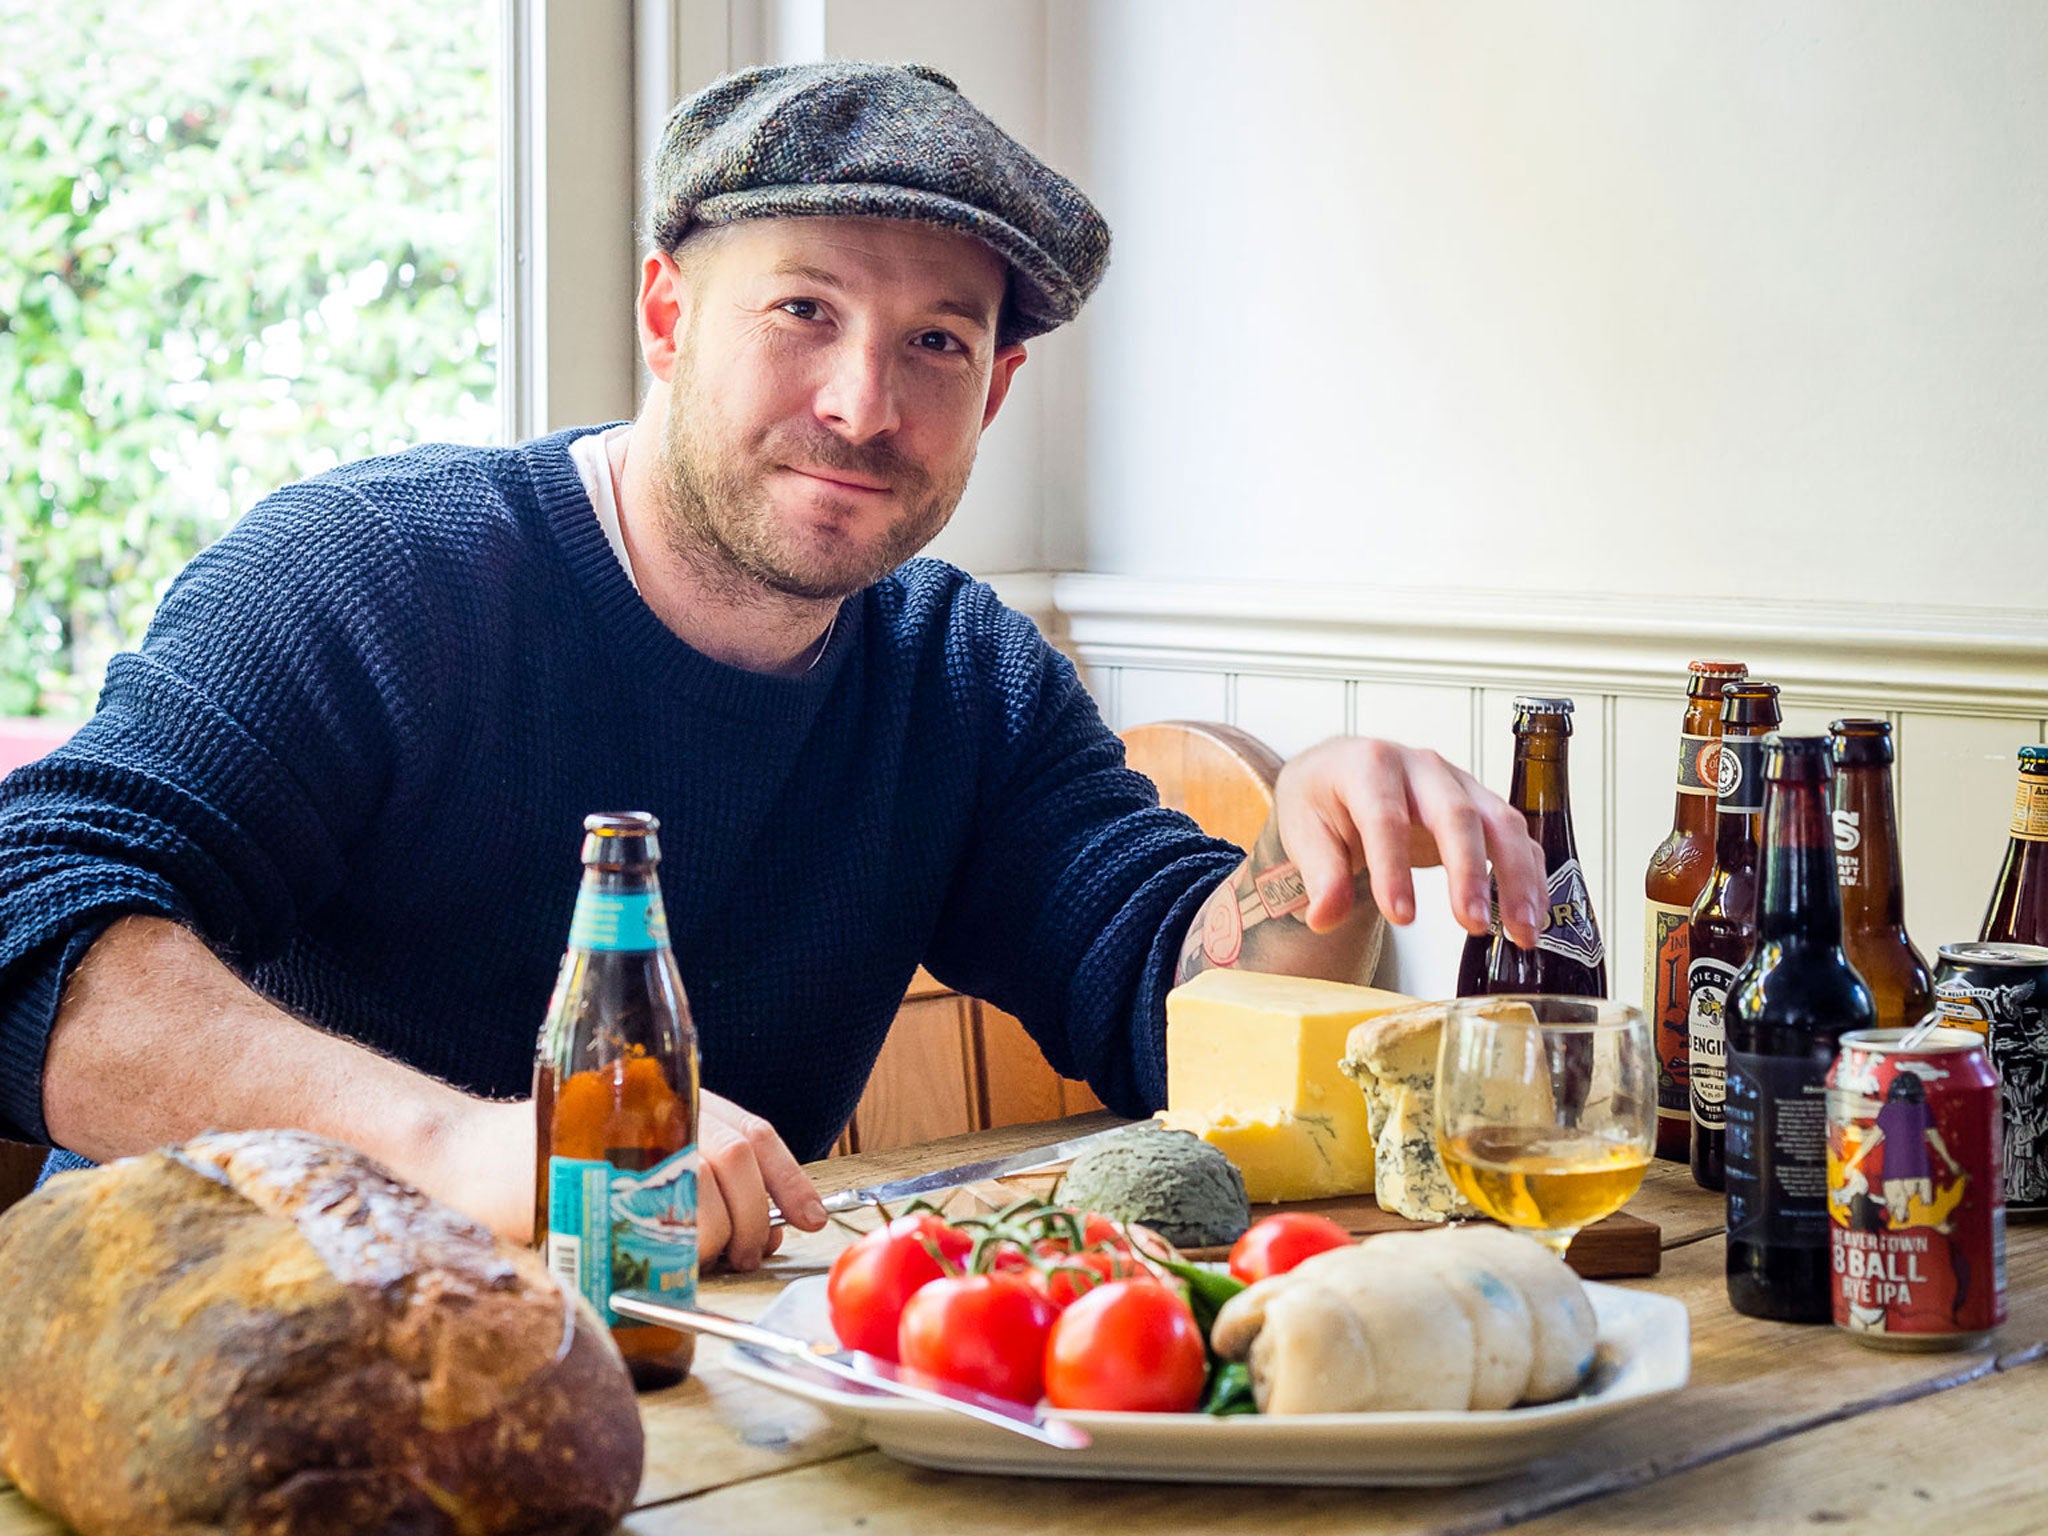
(615, 1086)
(1787, 1012)
(1678, 870)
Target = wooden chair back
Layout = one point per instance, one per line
(20, 1166)
(1221, 776)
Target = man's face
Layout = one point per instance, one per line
(829, 385)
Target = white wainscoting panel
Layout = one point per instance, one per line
(1963, 688)
(1955, 806)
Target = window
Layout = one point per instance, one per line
(239, 245)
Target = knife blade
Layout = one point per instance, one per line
(969, 1173)
(866, 1371)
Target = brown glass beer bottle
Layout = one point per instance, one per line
(2018, 913)
(1787, 1011)
(1722, 928)
(1569, 958)
(1678, 872)
(1867, 865)
(615, 1086)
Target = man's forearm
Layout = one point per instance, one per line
(1255, 921)
(157, 1040)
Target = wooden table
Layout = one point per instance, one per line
(1781, 1429)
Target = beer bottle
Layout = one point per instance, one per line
(615, 1085)
(1677, 873)
(1722, 929)
(1867, 864)
(2018, 913)
(1569, 958)
(1786, 1012)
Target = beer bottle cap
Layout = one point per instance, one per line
(1550, 717)
(2037, 756)
(1524, 705)
(1799, 758)
(1722, 669)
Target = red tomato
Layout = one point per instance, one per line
(1068, 1275)
(872, 1279)
(1277, 1244)
(1130, 1345)
(982, 1331)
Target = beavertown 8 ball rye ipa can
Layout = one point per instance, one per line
(1916, 1210)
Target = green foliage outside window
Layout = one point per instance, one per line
(241, 241)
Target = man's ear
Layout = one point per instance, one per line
(1007, 361)
(662, 308)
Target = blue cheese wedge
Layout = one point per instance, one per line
(1392, 1058)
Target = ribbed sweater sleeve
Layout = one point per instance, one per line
(230, 763)
(1070, 905)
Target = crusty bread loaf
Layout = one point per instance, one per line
(266, 1333)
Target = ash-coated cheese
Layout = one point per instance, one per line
(1252, 1068)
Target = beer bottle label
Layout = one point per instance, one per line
(1706, 1030)
(1665, 927)
(1739, 772)
(1571, 931)
(1849, 869)
(1776, 1112)
(611, 1228)
(618, 920)
(1698, 771)
(2030, 810)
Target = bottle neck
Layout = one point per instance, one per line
(1867, 848)
(1541, 782)
(1799, 904)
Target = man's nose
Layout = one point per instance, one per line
(859, 396)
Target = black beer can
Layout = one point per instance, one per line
(2001, 992)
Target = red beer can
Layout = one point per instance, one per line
(1916, 1198)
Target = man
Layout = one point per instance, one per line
(312, 862)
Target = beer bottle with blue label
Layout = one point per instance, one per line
(1569, 958)
(615, 1086)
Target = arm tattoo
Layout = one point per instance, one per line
(1254, 921)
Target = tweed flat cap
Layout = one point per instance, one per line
(891, 141)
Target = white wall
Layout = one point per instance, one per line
(1572, 294)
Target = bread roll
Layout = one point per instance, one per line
(266, 1333)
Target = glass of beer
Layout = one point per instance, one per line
(1546, 1109)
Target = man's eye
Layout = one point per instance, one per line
(803, 309)
(939, 341)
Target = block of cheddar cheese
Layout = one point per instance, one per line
(1251, 1068)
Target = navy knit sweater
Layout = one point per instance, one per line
(356, 748)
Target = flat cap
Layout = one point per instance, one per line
(891, 141)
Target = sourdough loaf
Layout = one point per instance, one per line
(266, 1333)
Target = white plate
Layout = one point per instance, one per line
(1645, 1351)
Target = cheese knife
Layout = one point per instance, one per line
(963, 1173)
(868, 1372)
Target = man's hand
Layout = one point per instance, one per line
(1356, 806)
(745, 1165)
(480, 1159)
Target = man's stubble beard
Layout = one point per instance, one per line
(717, 516)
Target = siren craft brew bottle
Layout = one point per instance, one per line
(1786, 1014)
(615, 1086)
(1722, 930)
(1867, 865)
(1568, 959)
(1677, 873)
(2018, 913)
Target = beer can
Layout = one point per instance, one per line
(2001, 992)
(1916, 1214)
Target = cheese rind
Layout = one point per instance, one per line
(1252, 1068)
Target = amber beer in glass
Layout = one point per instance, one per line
(1867, 865)
(615, 1086)
(1722, 929)
(1787, 1012)
(1569, 958)
(2018, 913)
(1677, 873)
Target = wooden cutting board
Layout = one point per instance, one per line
(1621, 1247)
